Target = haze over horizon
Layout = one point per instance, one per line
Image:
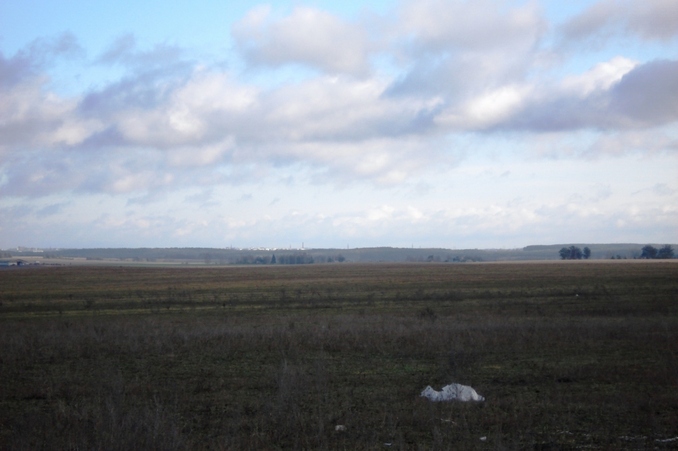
(425, 123)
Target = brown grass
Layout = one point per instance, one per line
(567, 356)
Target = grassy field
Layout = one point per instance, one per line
(569, 355)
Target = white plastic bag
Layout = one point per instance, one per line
(452, 392)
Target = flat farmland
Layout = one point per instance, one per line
(568, 355)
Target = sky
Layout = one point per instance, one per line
(425, 123)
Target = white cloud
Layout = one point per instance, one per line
(307, 36)
(202, 110)
(600, 78)
(648, 19)
(469, 27)
(643, 142)
(32, 116)
(488, 109)
(465, 49)
(615, 95)
(201, 156)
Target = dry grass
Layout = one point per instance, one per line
(567, 355)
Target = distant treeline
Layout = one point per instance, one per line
(647, 252)
(665, 251)
(302, 258)
(226, 256)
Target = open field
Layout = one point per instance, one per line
(568, 355)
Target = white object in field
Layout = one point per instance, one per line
(452, 392)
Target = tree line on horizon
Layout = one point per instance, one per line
(297, 258)
(647, 252)
(574, 253)
(652, 252)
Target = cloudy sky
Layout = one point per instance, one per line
(426, 123)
